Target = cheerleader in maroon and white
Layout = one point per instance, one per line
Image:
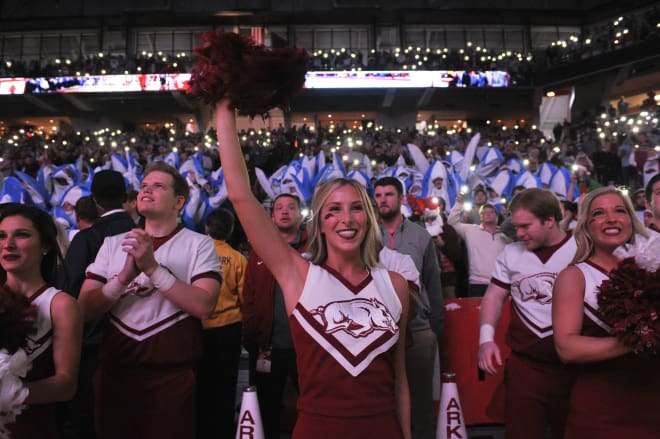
(154, 285)
(616, 393)
(29, 257)
(537, 383)
(345, 309)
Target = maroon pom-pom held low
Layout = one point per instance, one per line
(254, 79)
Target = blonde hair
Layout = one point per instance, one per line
(316, 245)
(585, 243)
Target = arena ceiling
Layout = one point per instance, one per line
(46, 13)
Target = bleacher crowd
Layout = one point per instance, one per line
(595, 143)
(620, 32)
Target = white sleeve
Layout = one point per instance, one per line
(206, 258)
(501, 270)
(400, 263)
(454, 220)
(100, 266)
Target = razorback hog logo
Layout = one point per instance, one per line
(537, 287)
(141, 286)
(358, 317)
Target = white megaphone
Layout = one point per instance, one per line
(249, 419)
(451, 423)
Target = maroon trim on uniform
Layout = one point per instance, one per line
(355, 360)
(545, 253)
(207, 275)
(95, 277)
(594, 311)
(529, 322)
(413, 286)
(355, 289)
(500, 284)
(40, 342)
(148, 329)
(160, 240)
(597, 267)
(37, 293)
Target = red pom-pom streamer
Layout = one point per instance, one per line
(253, 78)
(630, 301)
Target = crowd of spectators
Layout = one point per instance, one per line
(99, 64)
(594, 139)
(471, 57)
(410, 58)
(619, 32)
(597, 39)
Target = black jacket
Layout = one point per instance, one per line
(82, 252)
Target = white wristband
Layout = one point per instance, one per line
(113, 289)
(162, 278)
(486, 333)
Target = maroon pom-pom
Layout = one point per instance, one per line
(630, 301)
(17, 320)
(253, 78)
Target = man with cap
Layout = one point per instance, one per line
(109, 193)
